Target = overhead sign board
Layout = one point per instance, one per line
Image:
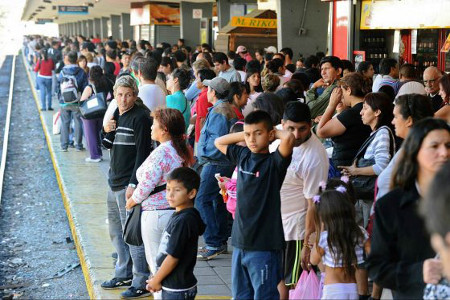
(407, 14)
(72, 10)
(253, 22)
(43, 21)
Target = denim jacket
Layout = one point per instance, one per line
(80, 75)
(218, 122)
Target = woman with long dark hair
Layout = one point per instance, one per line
(44, 67)
(98, 83)
(375, 153)
(238, 97)
(400, 242)
(254, 88)
(444, 92)
(173, 152)
(177, 82)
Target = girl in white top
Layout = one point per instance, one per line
(253, 82)
(341, 243)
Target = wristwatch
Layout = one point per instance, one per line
(132, 185)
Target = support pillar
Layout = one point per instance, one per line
(127, 30)
(115, 26)
(190, 27)
(90, 28)
(223, 11)
(85, 27)
(104, 27)
(97, 27)
(80, 28)
(312, 36)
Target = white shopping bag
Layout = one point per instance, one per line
(57, 122)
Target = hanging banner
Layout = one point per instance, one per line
(165, 14)
(406, 14)
(72, 10)
(253, 22)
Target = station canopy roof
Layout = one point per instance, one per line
(48, 9)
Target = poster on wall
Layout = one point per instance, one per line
(358, 57)
(139, 14)
(446, 46)
(165, 14)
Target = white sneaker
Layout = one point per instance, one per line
(96, 160)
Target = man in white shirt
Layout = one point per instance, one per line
(309, 166)
(222, 66)
(388, 75)
(150, 93)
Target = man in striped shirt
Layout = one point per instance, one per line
(127, 134)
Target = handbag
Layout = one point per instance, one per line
(364, 186)
(94, 107)
(132, 229)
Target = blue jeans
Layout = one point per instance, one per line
(211, 206)
(184, 295)
(45, 91)
(131, 260)
(67, 113)
(255, 274)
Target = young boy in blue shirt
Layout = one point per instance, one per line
(178, 248)
(257, 234)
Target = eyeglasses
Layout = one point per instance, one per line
(431, 81)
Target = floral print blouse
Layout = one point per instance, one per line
(152, 173)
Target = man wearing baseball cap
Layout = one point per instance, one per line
(209, 202)
(271, 49)
(242, 51)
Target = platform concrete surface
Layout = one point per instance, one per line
(84, 190)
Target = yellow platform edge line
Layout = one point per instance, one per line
(84, 266)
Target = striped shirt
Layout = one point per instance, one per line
(379, 149)
(328, 258)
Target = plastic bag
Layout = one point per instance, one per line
(298, 291)
(307, 287)
(57, 123)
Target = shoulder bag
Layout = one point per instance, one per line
(132, 230)
(94, 107)
(364, 186)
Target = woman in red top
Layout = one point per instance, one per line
(238, 97)
(202, 104)
(44, 67)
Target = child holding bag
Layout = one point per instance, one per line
(341, 243)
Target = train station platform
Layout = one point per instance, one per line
(84, 191)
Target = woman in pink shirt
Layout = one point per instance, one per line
(44, 67)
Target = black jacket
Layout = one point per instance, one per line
(400, 244)
(130, 145)
(436, 102)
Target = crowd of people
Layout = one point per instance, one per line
(311, 165)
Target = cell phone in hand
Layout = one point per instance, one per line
(217, 175)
